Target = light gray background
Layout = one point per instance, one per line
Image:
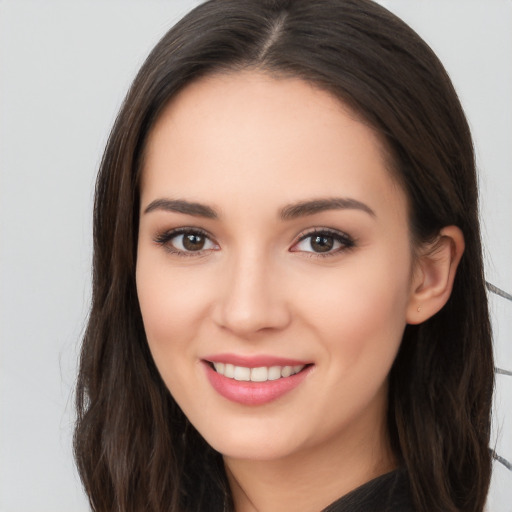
(64, 69)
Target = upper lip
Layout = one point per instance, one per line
(254, 361)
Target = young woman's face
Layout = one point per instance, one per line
(274, 246)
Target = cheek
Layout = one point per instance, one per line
(361, 313)
(173, 308)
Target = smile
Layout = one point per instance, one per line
(260, 374)
(254, 381)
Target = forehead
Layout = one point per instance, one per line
(227, 135)
(265, 98)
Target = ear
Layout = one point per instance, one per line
(434, 274)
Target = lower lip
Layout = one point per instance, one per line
(253, 393)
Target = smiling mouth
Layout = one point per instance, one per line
(255, 383)
(259, 374)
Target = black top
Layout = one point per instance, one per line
(386, 493)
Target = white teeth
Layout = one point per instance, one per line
(229, 370)
(219, 367)
(274, 373)
(260, 374)
(242, 373)
(286, 371)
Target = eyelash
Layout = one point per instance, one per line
(346, 242)
(165, 238)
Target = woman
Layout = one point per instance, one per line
(289, 308)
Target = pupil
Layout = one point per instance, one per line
(322, 243)
(193, 242)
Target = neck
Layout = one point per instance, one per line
(313, 478)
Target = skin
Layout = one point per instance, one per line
(247, 145)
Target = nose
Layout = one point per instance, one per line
(251, 297)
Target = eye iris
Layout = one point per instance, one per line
(320, 243)
(193, 242)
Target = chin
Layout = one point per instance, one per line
(247, 445)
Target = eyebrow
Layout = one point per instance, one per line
(181, 206)
(289, 212)
(304, 208)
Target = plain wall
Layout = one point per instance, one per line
(64, 69)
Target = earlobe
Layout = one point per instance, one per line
(434, 275)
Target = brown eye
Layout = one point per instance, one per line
(324, 243)
(193, 242)
(321, 243)
(185, 241)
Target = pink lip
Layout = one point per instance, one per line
(254, 361)
(254, 393)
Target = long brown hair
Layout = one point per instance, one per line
(134, 448)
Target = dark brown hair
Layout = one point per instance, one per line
(134, 448)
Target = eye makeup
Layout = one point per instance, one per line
(186, 241)
(316, 242)
(323, 242)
